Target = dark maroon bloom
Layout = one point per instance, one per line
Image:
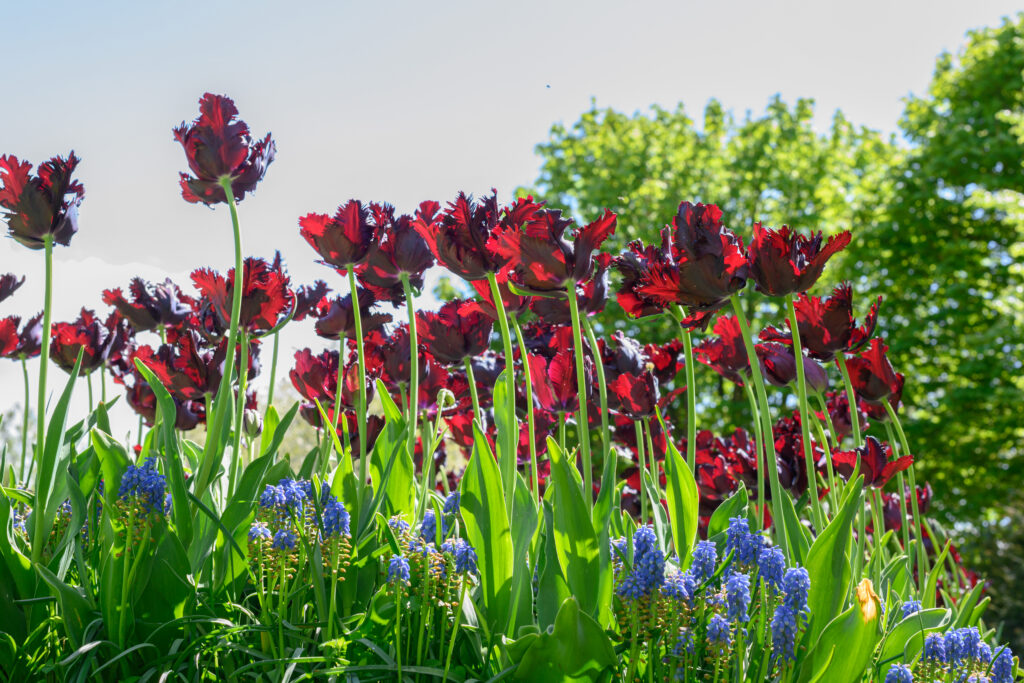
(150, 305)
(636, 395)
(542, 260)
(591, 295)
(789, 456)
(337, 317)
(46, 204)
(266, 298)
(458, 237)
(307, 297)
(839, 412)
(872, 375)
(668, 359)
(399, 250)
(827, 326)
(514, 303)
(456, 331)
(554, 381)
(315, 377)
(390, 354)
(875, 464)
(779, 365)
(699, 265)
(342, 240)
(217, 145)
(9, 336)
(87, 333)
(877, 411)
(143, 401)
(8, 284)
(122, 344)
(188, 370)
(713, 480)
(726, 354)
(30, 339)
(784, 261)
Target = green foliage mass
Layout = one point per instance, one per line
(937, 226)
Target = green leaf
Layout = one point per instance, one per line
(75, 610)
(487, 529)
(575, 649)
(828, 563)
(906, 639)
(552, 589)
(854, 634)
(683, 500)
(576, 544)
(733, 506)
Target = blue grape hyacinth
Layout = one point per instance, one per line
(648, 566)
(784, 630)
(739, 540)
(737, 597)
(144, 485)
(284, 539)
(398, 570)
(796, 585)
(335, 519)
(719, 632)
(705, 557)
(464, 554)
(771, 566)
(899, 673)
(911, 607)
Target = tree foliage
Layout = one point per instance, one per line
(938, 225)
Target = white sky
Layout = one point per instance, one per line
(394, 101)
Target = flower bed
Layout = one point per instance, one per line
(586, 537)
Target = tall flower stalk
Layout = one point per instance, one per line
(511, 435)
(582, 426)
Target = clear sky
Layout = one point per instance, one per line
(395, 101)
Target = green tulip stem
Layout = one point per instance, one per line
(582, 423)
(638, 427)
(766, 425)
(510, 437)
(823, 438)
(691, 394)
(530, 426)
(471, 379)
(361, 415)
(414, 365)
(805, 427)
(851, 399)
(243, 380)
(24, 419)
(455, 630)
(922, 556)
(273, 370)
(602, 387)
(758, 452)
(39, 531)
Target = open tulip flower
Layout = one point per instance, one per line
(315, 377)
(455, 332)
(41, 206)
(459, 236)
(344, 239)
(266, 298)
(87, 333)
(875, 463)
(827, 326)
(399, 250)
(218, 145)
(875, 410)
(336, 317)
(542, 260)
(8, 284)
(307, 297)
(9, 336)
(24, 344)
(725, 353)
(784, 261)
(636, 395)
(188, 369)
(592, 295)
(779, 366)
(188, 414)
(872, 374)
(554, 381)
(151, 305)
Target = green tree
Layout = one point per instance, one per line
(774, 168)
(949, 255)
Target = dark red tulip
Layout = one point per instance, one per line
(150, 305)
(8, 284)
(30, 339)
(186, 368)
(635, 395)
(337, 317)
(456, 331)
(726, 353)
(542, 260)
(877, 411)
(591, 295)
(266, 298)
(699, 266)
(789, 456)
(218, 145)
(41, 205)
(668, 359)
(779, 365)
(714, 483)
(86, 333)
(827, 326)
(839, 412)
(399, 250)
(514, 303)
(122, 344)
(875, 464)
(458, 236)
(342, 240)
(625, 356)
(307, 297)
(872, 375)
(784, 261)
(315, 377)
(554, 381)
(9, 336)
(390, 354)
(140, 396)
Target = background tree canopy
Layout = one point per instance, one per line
(937, 223)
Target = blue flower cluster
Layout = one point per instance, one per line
(796, 584)
(648, 566)
(746, 545)
(398, 570)
(962, 655)
(464, 554)
(335, 519)
(287, 497)
(144, 486)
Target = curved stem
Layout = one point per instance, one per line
(820, 431)
(39, 532)
(243, 379)
(805, 427)
(273, 371)
(528, 381)
(583, 425)
(508, 461)
(652, 463)
(606, 441)
(766, 427)
(922, 557)
(414, 365)
(471, 380)
(561, 431)
(691, 399)
(24, 418)
(398, 630)
(638, 427)
(902, 488)
(758, 451)
(851, 399)
(361, 412)
(455, 631)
